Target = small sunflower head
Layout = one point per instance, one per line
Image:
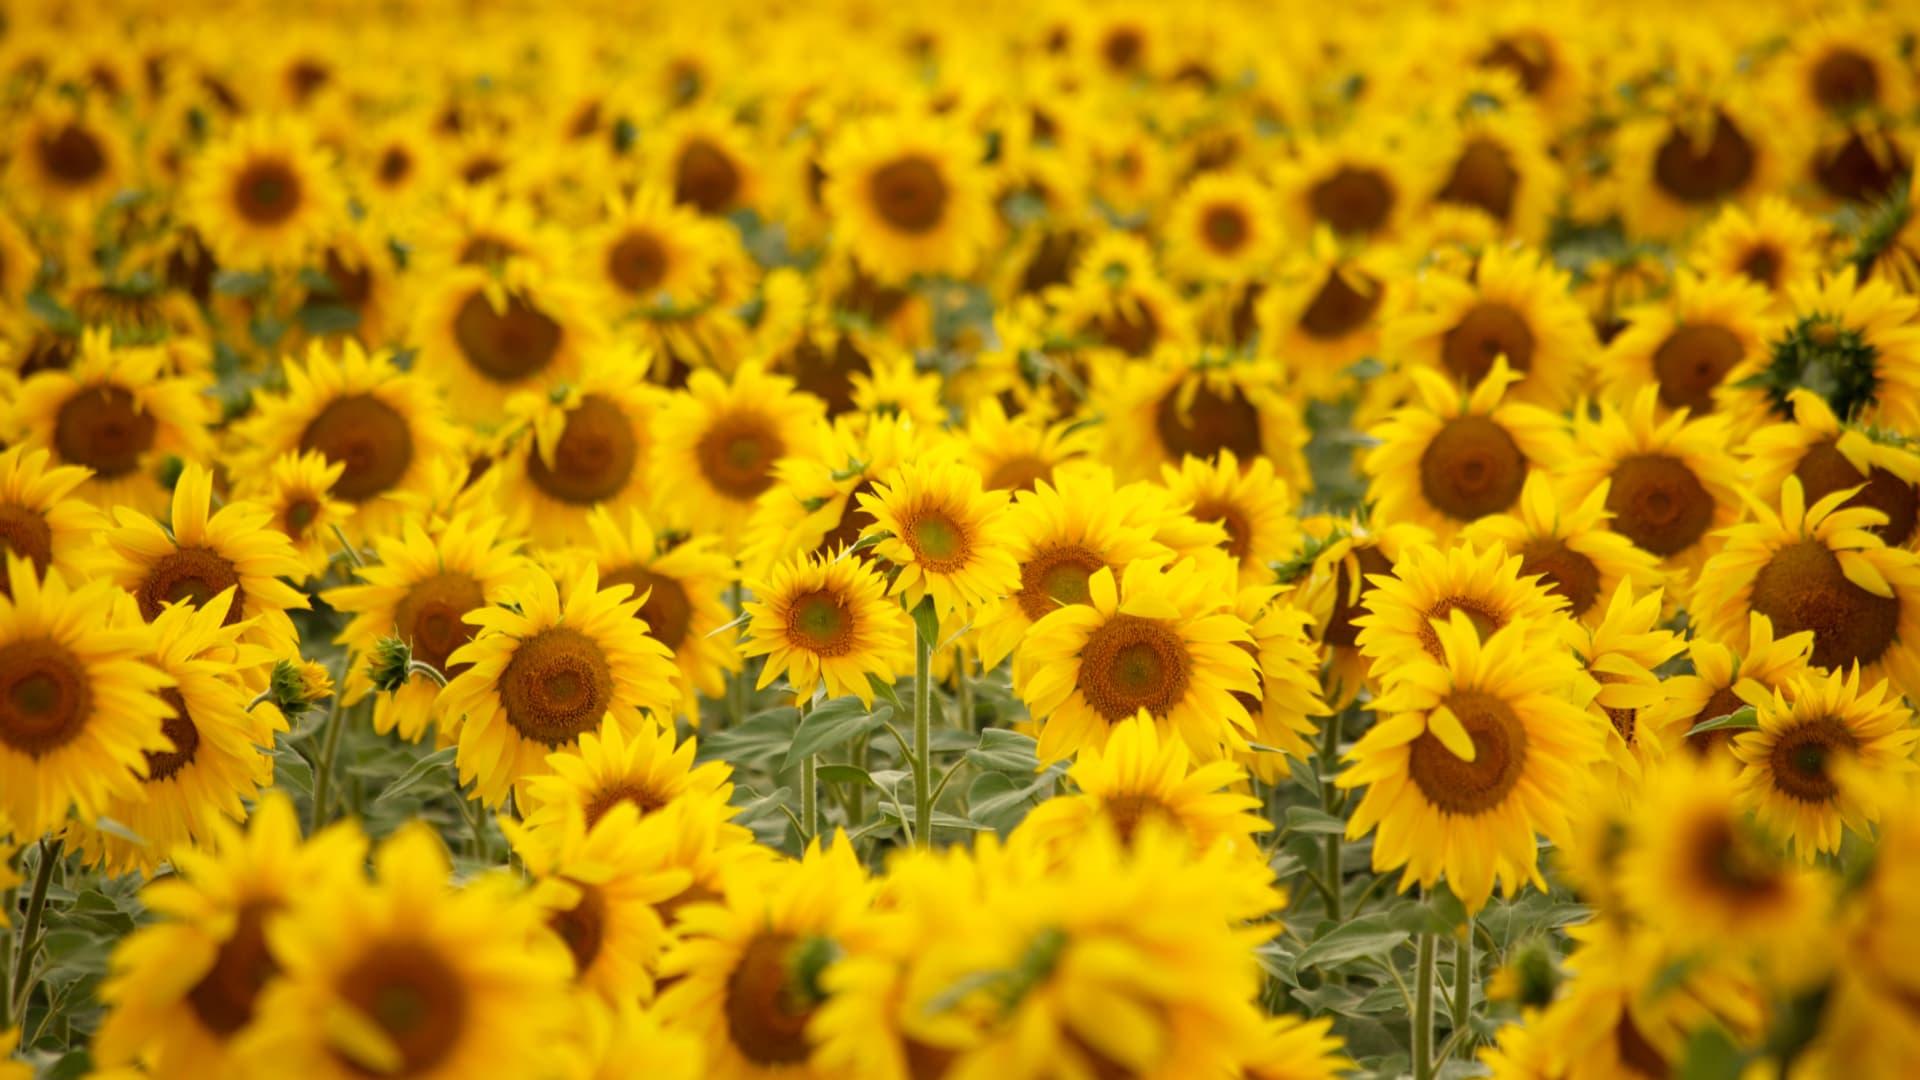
(297, 685)
(390, 665)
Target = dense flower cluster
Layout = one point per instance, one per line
(993, 542)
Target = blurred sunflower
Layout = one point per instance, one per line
(1253, 506)
(719, 440)
(1161, 412)
(1222, 228)
(1856, 344)
(41, 520)
(1622, 654)
(706, 160)
(1018, 453)
(66, 160)
(1774, 246)
(604, 769)
(1692, 154)
(1567, 544)
(907, 198)
(1708, 333)
(586, 445)
(1362, 183)
(297, 492)
(484, 335)
(1319, 314)
(264, 195)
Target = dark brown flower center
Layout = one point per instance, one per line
(1056, 577)
(298, 517)
(1799, 759)
(508, 345)
(1129, 811)
(1637, 1054)
(820, 622)
(1339, 309)
(1731, 861)
(1472, 787)
(637, 263)
(594, 457)
(1488, 331)
(1803, 588)
(189, 575)
(1762, 265)
(1692, 361)
(1352, 200)
(1564, 571)
(556, 686)
(1844, 80)
(72, 156)
(1131, 663)
(1211, 423)
(396, 164)
(1483, 176)
(224, 998)
(105, 429)
(1695, 173)
(766, 1019)
(429, 618)
(706, 178)
(1133, 330)
(846, 531)
(26, 533)
(1052, 261)
(267, 192)
(1225, 227)
(1824, 470)
(667, 611)
(1485, 618)
(1019, 473)
(583, 926)
(1527, 55)
(1349, 597)
(828, 374)
(1231, 518)
(1123, 48)
(367, 436)
(351, 287)
(643, 798)
(45, 696)
(909, 193)
(1857, 172)
(180, 730)
(737, 454)
(415, 996)
(1659, 504)
(1472, 468)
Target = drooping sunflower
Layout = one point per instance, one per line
(746, 967)
(1163, 411)
(1827, 456)
(1791, 763)
(182, 992)
(946, 532)
(1320, 312)
(1854, 343)
(545, 667)
(385, 426)
(298, 494)
(41, 520)
(1476, 754)
(117, 412)
(1059, 535)
(264, 195)
(1163, 638)
(907, 197)
(650, 769)
(582, 446)
(1017, 453)
(1773, 247)
(1670, 482)
(1254, 506)
(1223, 228)
(81, 708)
(1818, 568)
(1405, 607)
(719, 440)
(1622, 653)
(485, 335)
(1290, 695)
(827, 621)
(1511, 303)
(1708, 333)
(408, 975)
(1567, 544)
(426, 580)
(1471, 450)
(1140, 774)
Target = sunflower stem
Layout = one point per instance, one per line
(962, 690)
(923, 739)
(352, 553)
(1330, 870)
(737, 682)
(1423, 1010)
(809, 798)
(1462, 984)
(31, 931)
(323, 768)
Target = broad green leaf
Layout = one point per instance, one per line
(1742, 718)
(1004, 751)
(1369, 935)
(427, 768)
(1309, 819)
(833, 724)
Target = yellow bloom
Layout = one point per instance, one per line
(607, 768)
(947, 534)
(827, 622)
(586, 444)
(907, 197)
(40, 521)
(719, 441)
(1568, 545)
(263, 196)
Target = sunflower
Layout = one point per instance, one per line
(1018, 453)
(1828, 456)
(546, 666)
(1670, 482)
(1059, 535)
(813, 507)
(298, 492)
(1621, 654)
(355, 290)
(181, 992)
(604, 769)
(1290, 693)
(40, 520)
(946, 532)
(66, 160)
(1476, 753)
(20, 263)
(425, 581)
(1155, 637)
(1542, 52)
(264, 195)
(1818, 568)
(1254, 507)
(485, 228)
(216, 760)
(1791, 772)
(1161, 412)
(1292, 1048)
(1842, 68)
(117, 412)
(81, 709)
(583, 446)
(1856, 344)
(1511, 303)
(1723, 680)
(1319, 313)
(719, 440)
(1333, 589)
(1471, 450)
(1499, 161)
(1692, 154)
(827, 620)
(706, 160)
(1406, 607)
(1360, 184)
(483, 336)
(1567, 544)
(681, 580)
(386, 426)
(1708, 333)
(1222, 228)
(409, 976)
(1116, 301)
(673, 278)
(746, 969)
(907, 198)
(622, 1039)
(1775, 246)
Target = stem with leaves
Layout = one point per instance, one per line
(925, 628)
(31, 930)
(1462, 986)
(809, 787)
(1330, 869)
(1423, 1009)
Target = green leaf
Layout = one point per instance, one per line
(886, 690)
(240, 283)
(941, 820)
(427, 768)
(111, 827)
(50, 311)
(291, 771)
(925, 621)
(329, 319)
(833, 724)
(1369, 935)
(760, 739)
(1711, 1055)
(1742, 718)
(1005, 751)
(836, 773)
(1308, 819)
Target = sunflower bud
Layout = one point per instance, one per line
(296, 686)
(390, 665)
(1528, 979)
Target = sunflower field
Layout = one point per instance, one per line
(1045, 540)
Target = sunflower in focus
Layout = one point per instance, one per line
(298, 495)
(264, 195)
(907, 198)
(1722, 681)
(947, 533)
(41, 520)
(827, 621)
(719, 440)
(1406, 606)
(1253, 506)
